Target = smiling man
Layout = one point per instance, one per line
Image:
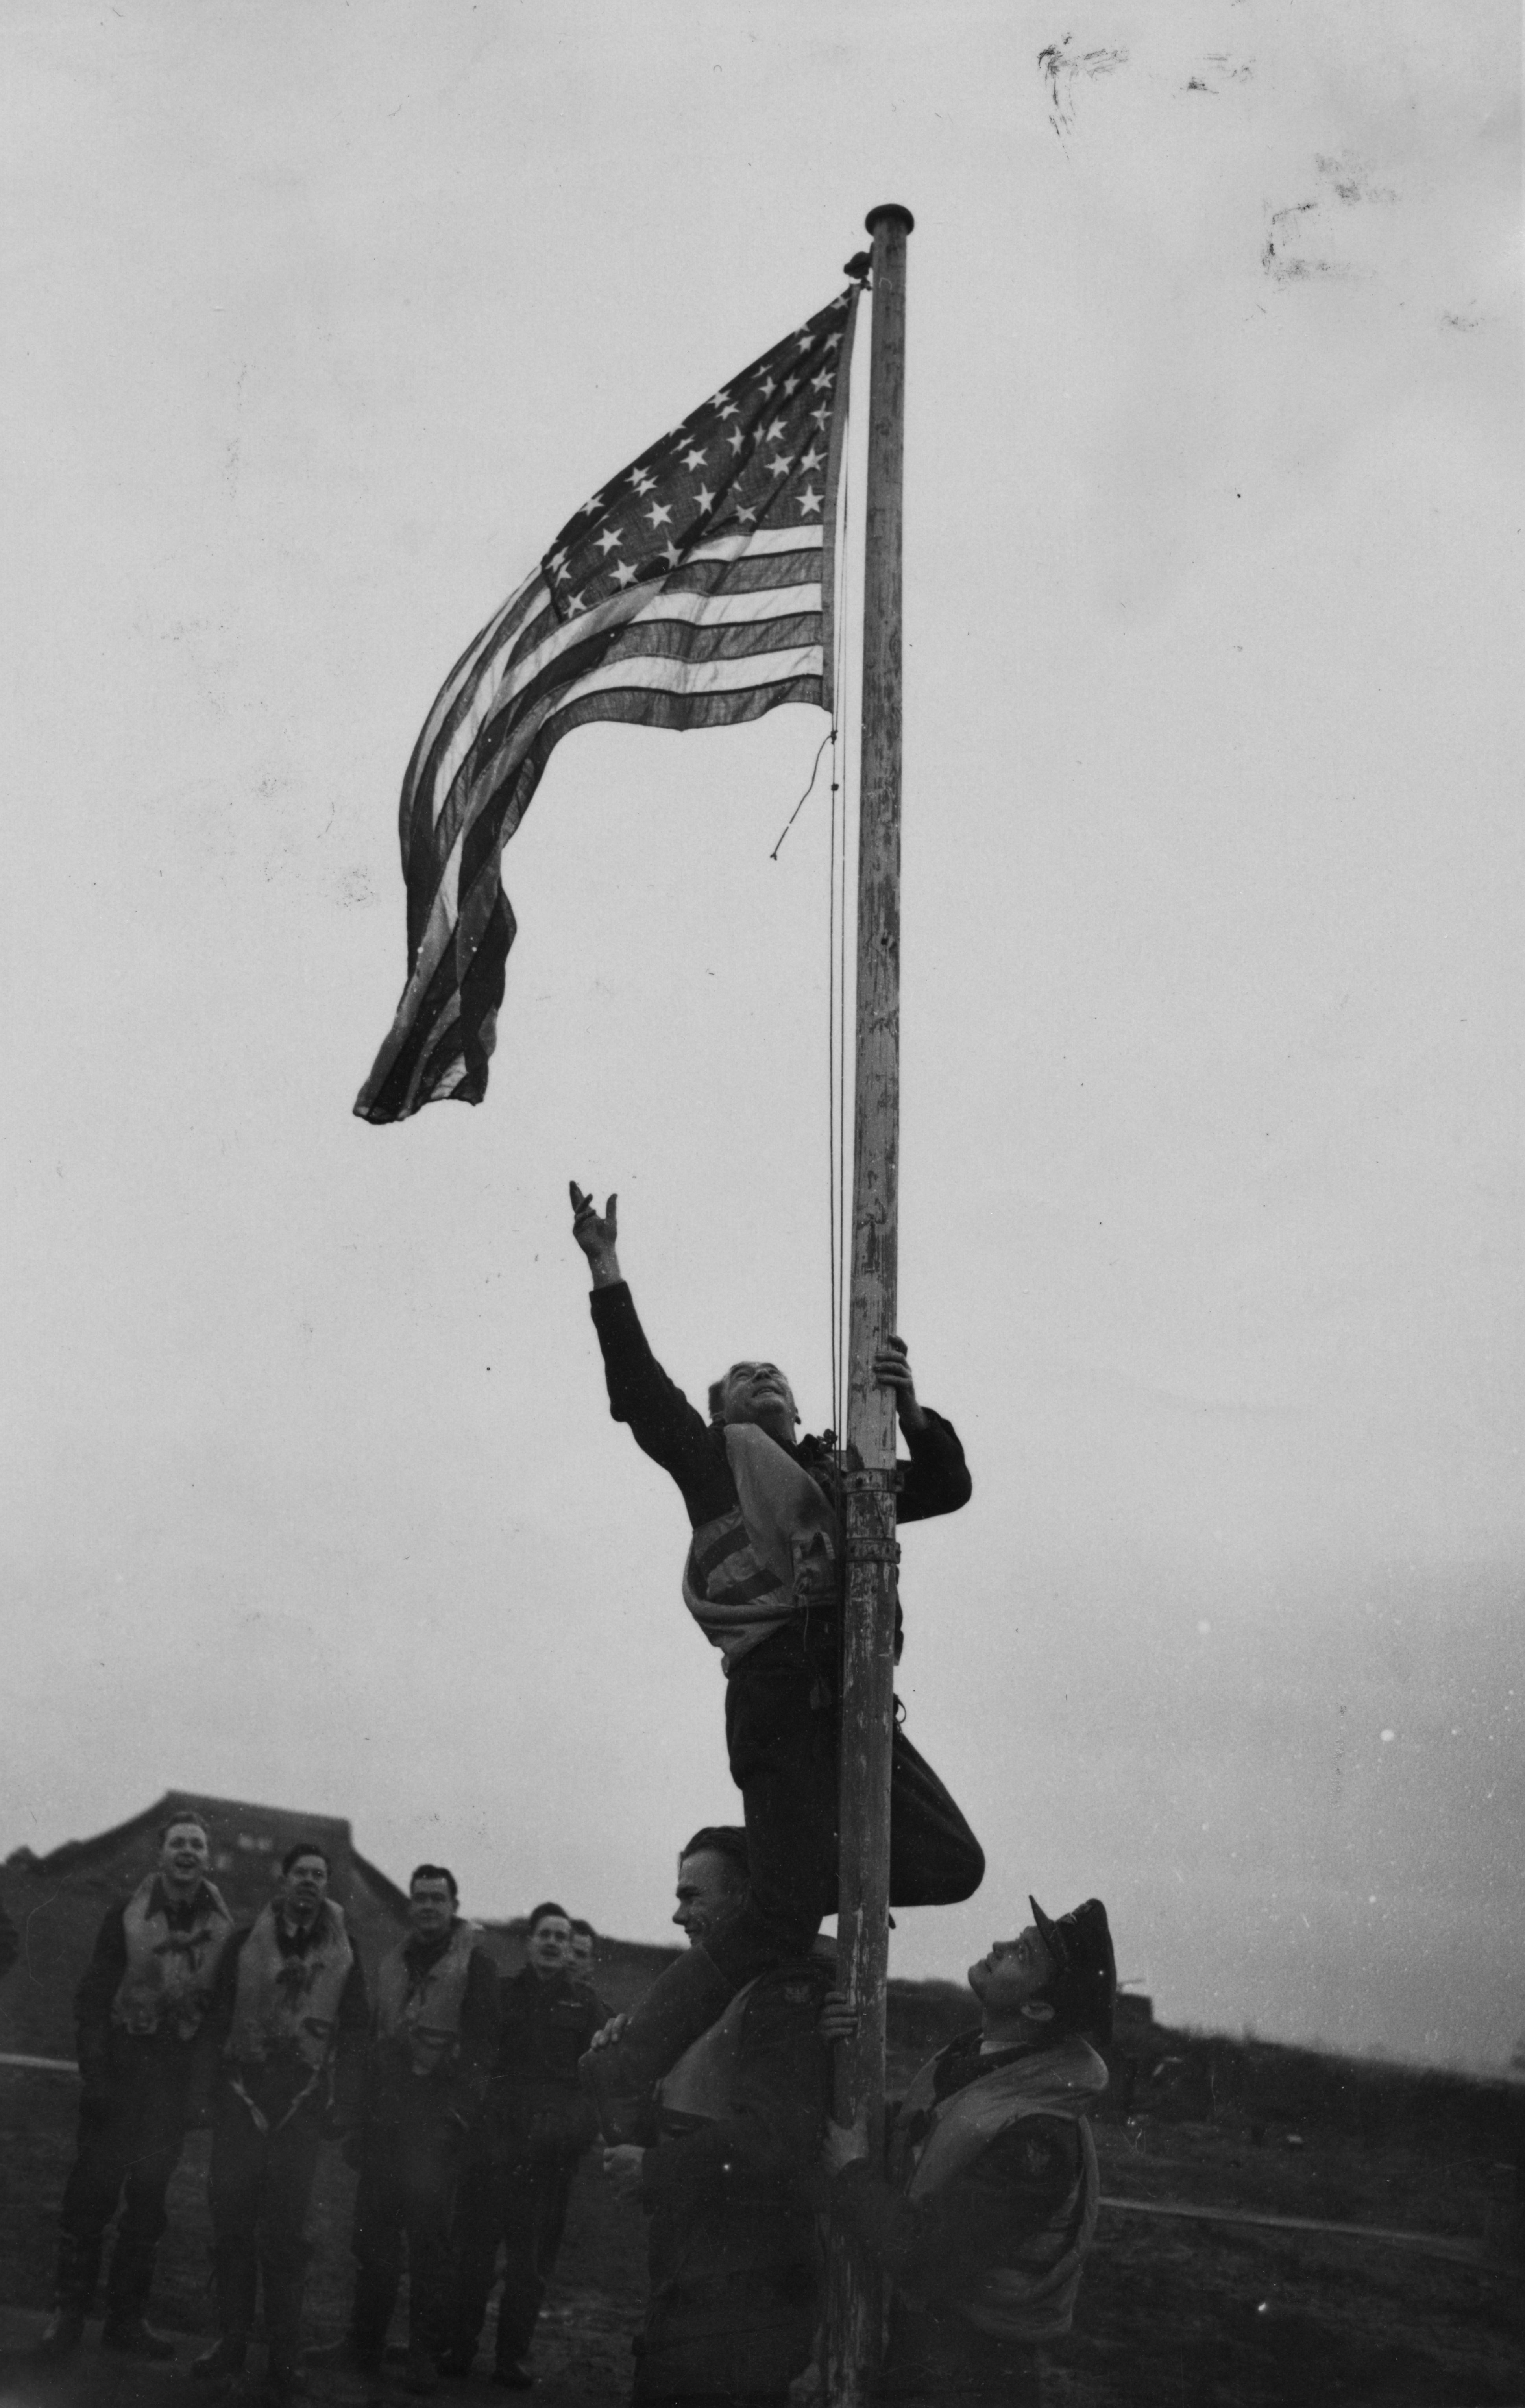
(288, 2024)
(762, 1579)
(731, 2247)
(138, 2012)
(989, 2205)
(435, 2030)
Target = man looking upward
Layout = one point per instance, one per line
(289, 2020)
(990, 2204)
(762, 1579)
(138, 2012)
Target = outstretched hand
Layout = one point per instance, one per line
(596, 1234)
(892, 1369)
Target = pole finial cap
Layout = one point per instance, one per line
(890, 209)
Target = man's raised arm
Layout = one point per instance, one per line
(662, 1421)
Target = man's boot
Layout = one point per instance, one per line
(685, 1998)
(61, 2337)
(284, 2378)
(420, 2376)
(226, 2356)
(127, 2289)
(132, 2338)
(236, 2276)
(285, 2280)
(363, 2344)
(79, 2268)
(350, 2356)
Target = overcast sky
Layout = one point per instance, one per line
(322, 322)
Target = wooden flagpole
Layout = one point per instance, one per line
(855, 2316)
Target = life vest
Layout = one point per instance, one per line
(166, 1986)
(740, 1575)
(421, 2009)
(698, 2089)
(290, 2001)
(1033, 2297)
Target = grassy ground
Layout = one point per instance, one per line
(1172, 2315)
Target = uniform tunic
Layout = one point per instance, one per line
(535, 2125)
(734, 2265)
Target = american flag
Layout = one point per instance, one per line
(693, 591)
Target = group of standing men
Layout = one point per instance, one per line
(453, 2093)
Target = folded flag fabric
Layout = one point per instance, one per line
(693, 591)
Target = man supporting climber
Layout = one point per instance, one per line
(763, 1582)
(988, 2209)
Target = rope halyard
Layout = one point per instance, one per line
(837, 981)
(837, 1233)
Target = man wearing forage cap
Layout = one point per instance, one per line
(988, 2208)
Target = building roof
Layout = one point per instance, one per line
(241, 1817)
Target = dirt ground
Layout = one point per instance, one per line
(1171, 2313)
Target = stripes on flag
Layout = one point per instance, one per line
(694, 591)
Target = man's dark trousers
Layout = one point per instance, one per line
(523, 2206)
(259, 2191)
(780, 1733)
(133, 2118)
(403, 2208)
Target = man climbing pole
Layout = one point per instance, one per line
(762, 1579)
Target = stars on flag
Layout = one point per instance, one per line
(754, 456)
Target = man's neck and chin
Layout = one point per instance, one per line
(776, 1427)
(998, 2033)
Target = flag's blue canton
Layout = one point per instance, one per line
(754, 455)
